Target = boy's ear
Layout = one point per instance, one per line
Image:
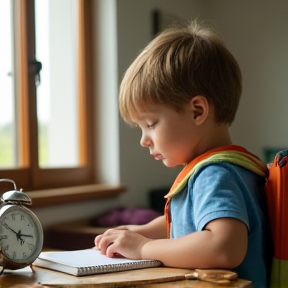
(199, 106)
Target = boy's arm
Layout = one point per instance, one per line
(223, 244)
(155, 229)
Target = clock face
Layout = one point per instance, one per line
(19, 235)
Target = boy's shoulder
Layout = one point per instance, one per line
(232, 154)
(225, 173)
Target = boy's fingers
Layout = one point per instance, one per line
(97, 240)
(111, 250)
(105, 243)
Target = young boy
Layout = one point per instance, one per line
(183, 91)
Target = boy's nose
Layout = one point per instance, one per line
(145, 141)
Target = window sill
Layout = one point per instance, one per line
(66, 195)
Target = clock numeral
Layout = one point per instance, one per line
(5, 247)
(13, 216)
(22, 217)
(31, 246)
(14, 255)
(3, 237)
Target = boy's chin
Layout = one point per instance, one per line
(169, 164)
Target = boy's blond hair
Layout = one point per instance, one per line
(177, 65)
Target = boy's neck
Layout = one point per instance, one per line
(219, 136)
(215, 137)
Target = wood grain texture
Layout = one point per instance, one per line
(145, 278)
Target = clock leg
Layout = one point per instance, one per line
(31, 266)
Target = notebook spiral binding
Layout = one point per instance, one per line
(100, 269)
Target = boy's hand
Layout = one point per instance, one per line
(121, 241)
(99, 237)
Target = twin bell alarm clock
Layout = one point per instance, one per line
(21, 233)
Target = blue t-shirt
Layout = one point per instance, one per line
(225, 190)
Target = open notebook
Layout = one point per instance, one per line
(89, 261)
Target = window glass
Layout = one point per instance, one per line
(57, 93)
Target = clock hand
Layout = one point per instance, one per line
(7, 227)
(18, 235)
(25, 235)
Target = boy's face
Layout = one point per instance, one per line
(170, 136)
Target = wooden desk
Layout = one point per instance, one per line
(144, 278)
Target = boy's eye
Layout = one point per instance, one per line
(152, 125)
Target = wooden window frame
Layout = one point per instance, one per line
(31, 177)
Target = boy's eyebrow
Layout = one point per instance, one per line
(140, 118)
(144, 115)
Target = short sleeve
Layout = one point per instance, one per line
(217, 194)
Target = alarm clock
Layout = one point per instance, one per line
(21, 233)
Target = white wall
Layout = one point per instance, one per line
(254, 31)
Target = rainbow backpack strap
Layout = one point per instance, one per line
(277, 203)
(232, 154)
